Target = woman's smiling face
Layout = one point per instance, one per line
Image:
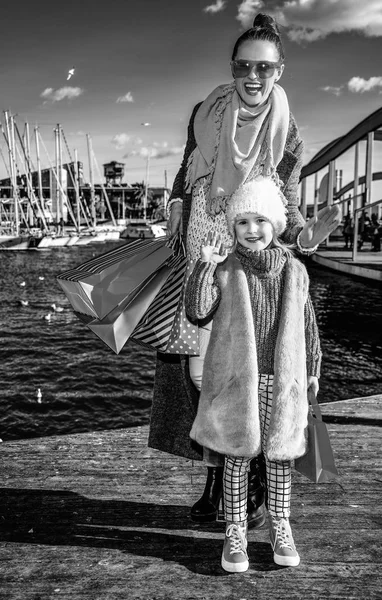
(253, 90)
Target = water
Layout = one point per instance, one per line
(86, 387)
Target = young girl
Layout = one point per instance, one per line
(262, 358)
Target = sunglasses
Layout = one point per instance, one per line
(263, 69)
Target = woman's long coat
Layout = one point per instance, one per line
(175, 397)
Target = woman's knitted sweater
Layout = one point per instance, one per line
(265, 276)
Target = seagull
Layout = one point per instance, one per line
(41, 278)
(48, 317)
(70, 73)
(146, 124)
(57, 308)
(24, 302)
(39, 396)
(23, 284)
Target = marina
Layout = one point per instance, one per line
(57, 206)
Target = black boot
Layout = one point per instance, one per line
(257, 490)
(205, 509)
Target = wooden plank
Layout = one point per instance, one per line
(357, 410)
(100, 516)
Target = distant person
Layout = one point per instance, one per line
(262, 360)
(348, 232)
(375, 232)
(241, 130)
(60, 226)
(363, 229)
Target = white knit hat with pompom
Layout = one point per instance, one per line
(261, 196)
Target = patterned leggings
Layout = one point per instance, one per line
(235, 478)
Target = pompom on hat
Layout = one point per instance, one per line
(260, 196)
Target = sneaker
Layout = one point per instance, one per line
(234, 556)
(284, 550)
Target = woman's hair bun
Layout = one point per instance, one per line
(266, 22)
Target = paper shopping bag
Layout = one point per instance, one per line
(155, 328)
(318, 463)
(99, 285)
(116, 328)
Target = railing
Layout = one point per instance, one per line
(356, 217)
(355, 200)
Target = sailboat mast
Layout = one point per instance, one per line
(12, 170)
(60, 178)
(106, 197)
(91, 177)
(76, 190)
(58, 214)
(40, 192)
(24, 142)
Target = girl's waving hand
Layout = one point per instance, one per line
(212, 249)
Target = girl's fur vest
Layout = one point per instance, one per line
(227, 420)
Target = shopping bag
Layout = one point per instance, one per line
(184, 338)
(155, 328)
(318, 463)
(116, 328)
(99, 285)
(165, 326)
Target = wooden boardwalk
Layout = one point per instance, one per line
(100, 516)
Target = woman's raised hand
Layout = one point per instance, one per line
(317, 229)
(212, 249)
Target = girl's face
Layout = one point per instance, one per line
(253, 231)
(253, 89)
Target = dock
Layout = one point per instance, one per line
(101, 516)
(368, 264)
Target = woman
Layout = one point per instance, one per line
(242, 130)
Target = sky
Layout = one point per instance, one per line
(150, 61)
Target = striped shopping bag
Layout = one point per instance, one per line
(99, 285)
(158, 326)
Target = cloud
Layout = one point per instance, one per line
(46, 93)
(310, 20)
(126, 98)
(120, 140)
(360, 85)
(61, 93)
(215, 8)
(247, 10)
(162, 150)
(337, 91)
(157, 150)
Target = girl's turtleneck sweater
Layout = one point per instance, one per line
(264, 270)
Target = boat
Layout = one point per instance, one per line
(83, 239)
(112, 235)
(142, 229)
(16, 242)
(57, 241)
(73, 239)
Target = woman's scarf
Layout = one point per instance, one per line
(235, 144)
